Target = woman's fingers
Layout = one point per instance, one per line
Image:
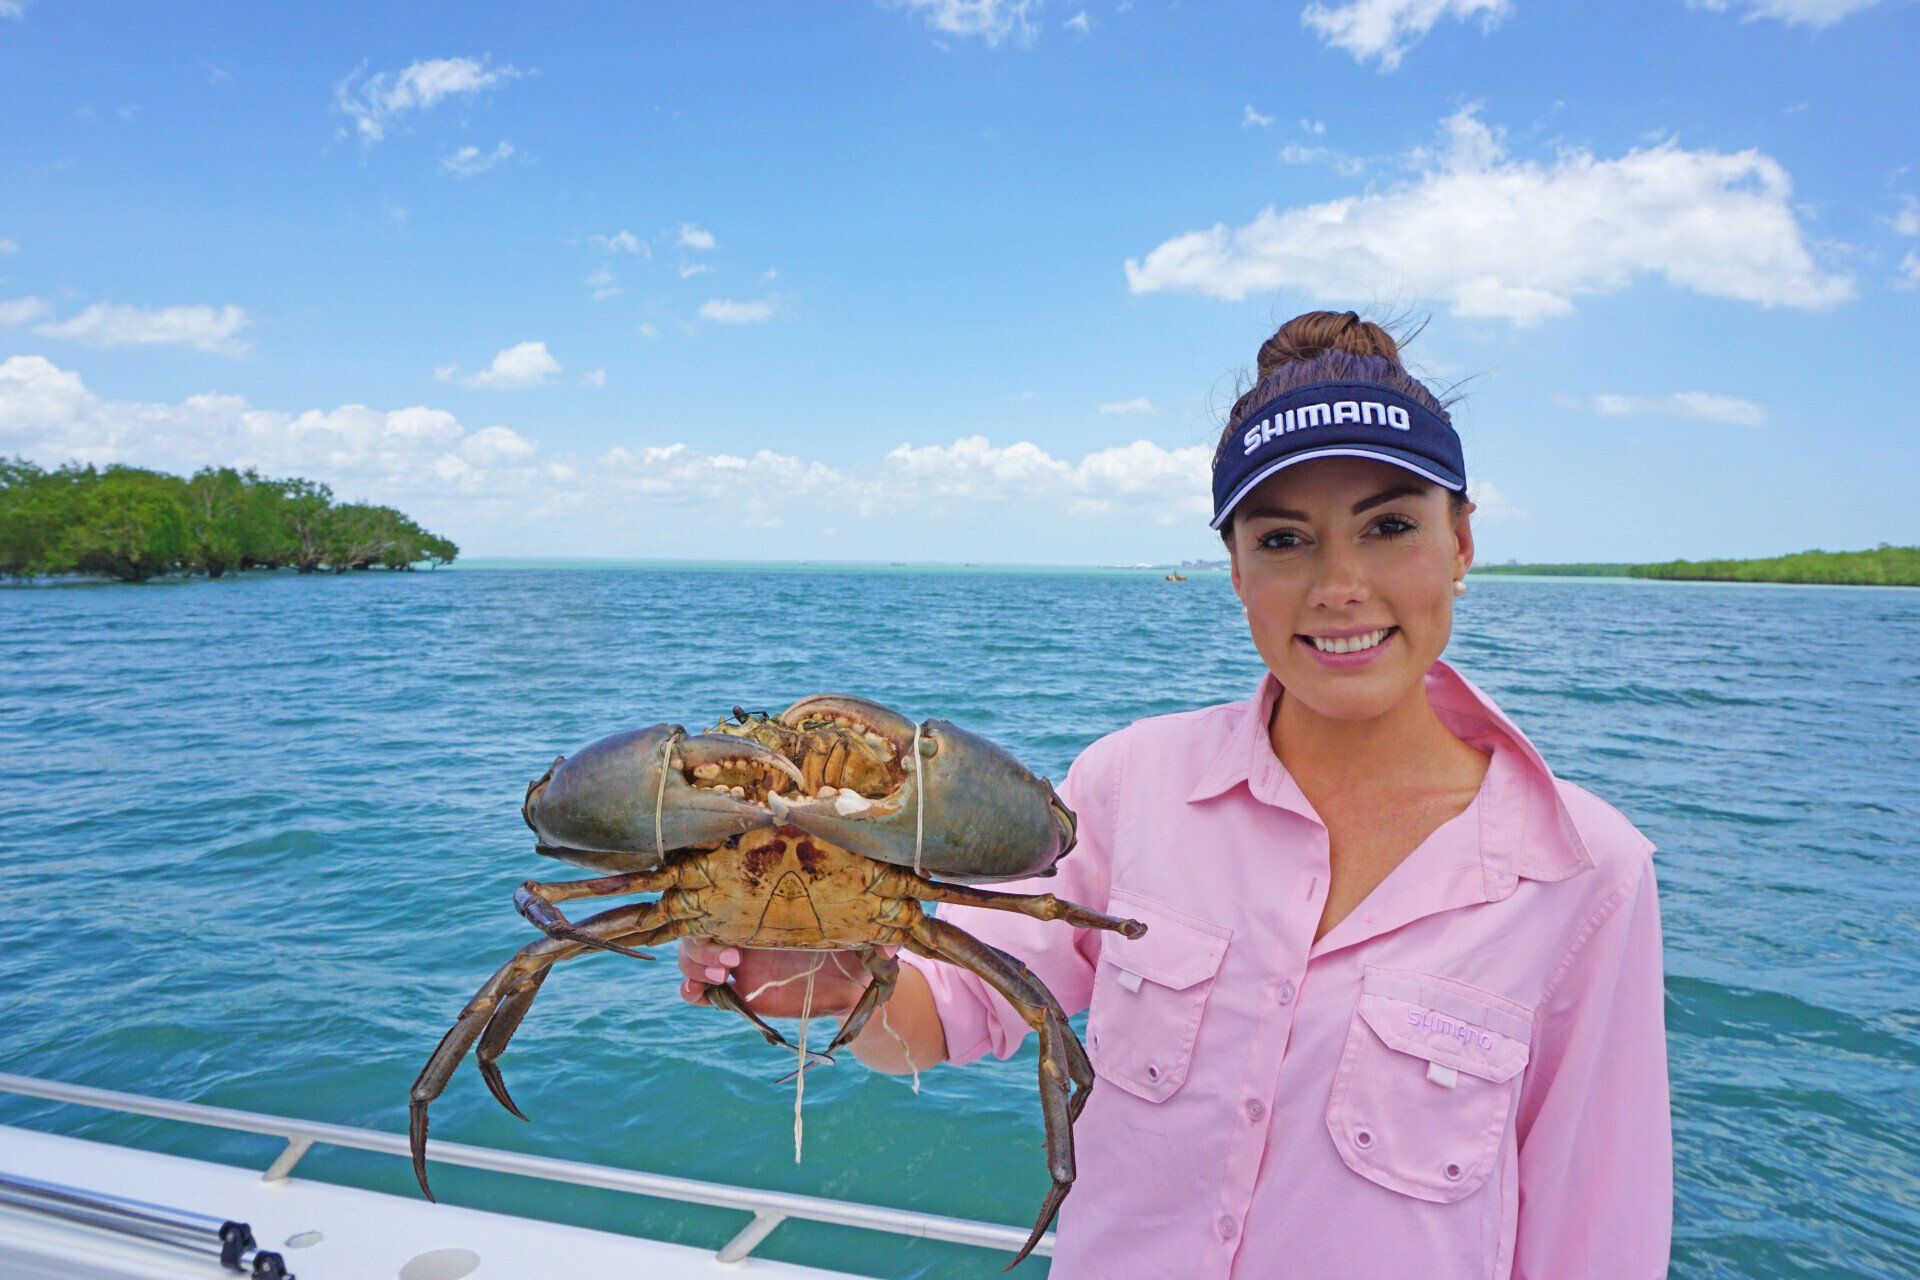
(703, 963)
(772, 983)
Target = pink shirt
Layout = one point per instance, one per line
(1467, 1077)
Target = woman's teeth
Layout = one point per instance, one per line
(1351, 644)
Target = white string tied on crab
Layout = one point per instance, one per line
(905, 1051)
(919, 804)
(800, 1076)
(660, 796)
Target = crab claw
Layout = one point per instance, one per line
(968, 811)
(642, 794)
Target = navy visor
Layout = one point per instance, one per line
(1336, 420)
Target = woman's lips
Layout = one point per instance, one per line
(1356, 658)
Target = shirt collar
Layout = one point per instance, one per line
(1546, 844)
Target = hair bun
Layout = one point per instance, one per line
(1317, 333)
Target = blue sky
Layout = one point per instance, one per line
(965, 279)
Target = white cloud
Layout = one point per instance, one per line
(21, 311)
(1520, 240)
(13, 8)
(115, 324)
(1705, 405)
(694, 236)
(622, 241)
(468, 161)
(594, 378)
(1128, 408)
(1166, 485)
(1906, 220)
(1343, 164)
(602, 283)
(649, 330)
(1314, 126)
(525, 364)
(1079, 22)
(375, 101)
(993, 21)
(1909, 269)
(692, 269)
(7, 247)
(457, 479)
(1809, 13)
(1385, 29)
(728, 311)
(1251, 119)
(1490, 504)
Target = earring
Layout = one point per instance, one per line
(1459, 586)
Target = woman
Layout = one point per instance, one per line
(1398, 1011)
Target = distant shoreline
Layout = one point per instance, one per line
(1883, 566)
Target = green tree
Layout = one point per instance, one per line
(301, 513)
(130, 523)
(217, 511)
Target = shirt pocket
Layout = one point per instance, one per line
(1148, 995)
(1426, 1083)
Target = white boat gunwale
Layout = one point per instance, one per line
(769, 1208)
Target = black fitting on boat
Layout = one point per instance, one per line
(235, 1239)
(270, 1266)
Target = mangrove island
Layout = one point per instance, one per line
(1883, 566)
(133, 524)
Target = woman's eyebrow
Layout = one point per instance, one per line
(1263, 511)
(1387, 495)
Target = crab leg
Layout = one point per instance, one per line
(722, 996)
(1041, 906)
(510, 980)
(535, 900)
(1060, 1065)
(519, 998)
(886, 971)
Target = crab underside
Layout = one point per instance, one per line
(821, 829)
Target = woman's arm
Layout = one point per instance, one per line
(1595, 1135)
(910, 1037)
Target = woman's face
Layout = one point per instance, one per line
(1349, 552)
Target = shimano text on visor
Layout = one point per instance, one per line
(1336, 420)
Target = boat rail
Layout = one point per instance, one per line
(769, 1208)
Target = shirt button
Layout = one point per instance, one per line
(1255, 1109)
(1285, 994)
(1227, 1227)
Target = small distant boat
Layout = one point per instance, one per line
(1176, 577)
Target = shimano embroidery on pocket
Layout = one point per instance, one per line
(1428, 1020)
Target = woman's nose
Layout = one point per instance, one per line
(1340, 580)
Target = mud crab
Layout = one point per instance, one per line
(816, 830)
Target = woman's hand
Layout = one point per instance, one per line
(772, 983)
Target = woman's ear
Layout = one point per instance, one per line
(1463, 541)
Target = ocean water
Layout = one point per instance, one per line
(260, 836)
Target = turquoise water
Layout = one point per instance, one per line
(260, 838)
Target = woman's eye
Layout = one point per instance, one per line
(1394, 526)
(1280, 539)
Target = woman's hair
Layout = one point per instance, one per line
(1326, 346)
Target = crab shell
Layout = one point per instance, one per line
(969, 812)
